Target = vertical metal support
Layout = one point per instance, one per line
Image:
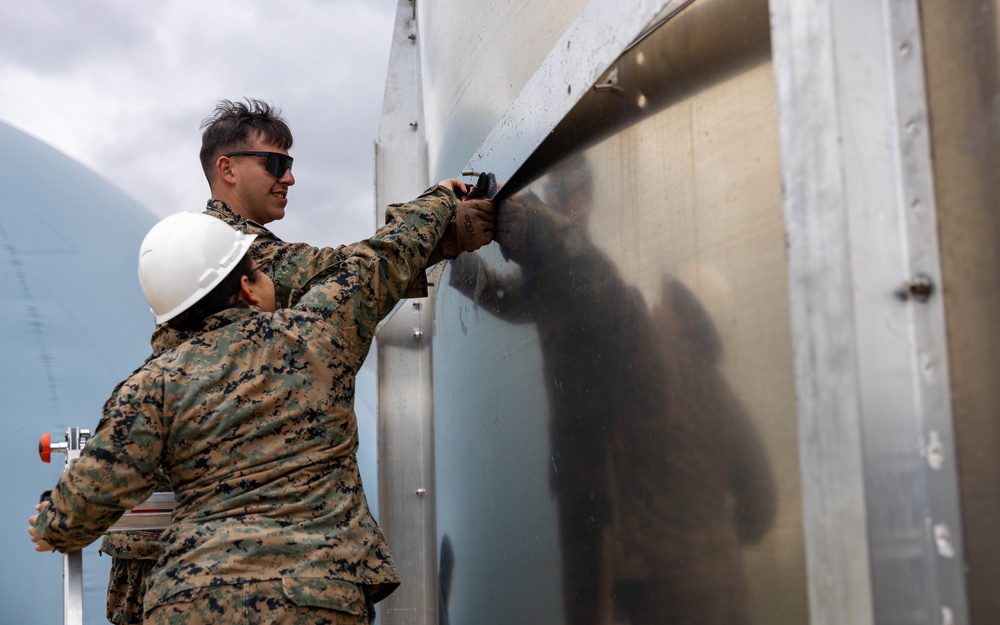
(827, 386)
(877, 453)
(403, 348)
(407, 500)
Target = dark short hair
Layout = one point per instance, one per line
(235, 125)
(226, 294)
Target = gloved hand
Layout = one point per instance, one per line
(471, 228)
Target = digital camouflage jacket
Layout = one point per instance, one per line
(252, 421)
(294, 264)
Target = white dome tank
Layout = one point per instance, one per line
(73, 323)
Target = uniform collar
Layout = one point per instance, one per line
(221, 210)
(228, 316)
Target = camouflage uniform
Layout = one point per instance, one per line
(252, 421)
(133, 553)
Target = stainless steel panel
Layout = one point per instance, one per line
(590, 44)
(615, 428)
(962, 52)
(476, 55)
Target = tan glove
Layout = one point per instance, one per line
(471, 228)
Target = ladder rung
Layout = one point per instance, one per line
(152, 514)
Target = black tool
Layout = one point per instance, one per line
(485, 188)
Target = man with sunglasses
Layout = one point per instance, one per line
(244, 155)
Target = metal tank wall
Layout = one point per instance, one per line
(475, 56)
(731, 362)
(615, 435)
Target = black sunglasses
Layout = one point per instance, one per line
(277, 164)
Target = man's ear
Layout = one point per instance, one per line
(224, 169)
(247, 295)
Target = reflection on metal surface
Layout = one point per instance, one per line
(739, 41)
(622, 356)
(619, 424)
(658, 473)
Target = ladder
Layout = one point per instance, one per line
(152, 514)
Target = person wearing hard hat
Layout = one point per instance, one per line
(244, 155)
(252, 420)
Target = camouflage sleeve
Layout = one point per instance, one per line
(418, 285)
(365, 287)
(116, 471)
(133, 544)
(295, 264)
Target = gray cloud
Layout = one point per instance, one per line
(55, 37)
(123, 87)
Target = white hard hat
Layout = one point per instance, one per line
(184, 257)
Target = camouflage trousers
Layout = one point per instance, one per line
(252, 603)
(125, 590)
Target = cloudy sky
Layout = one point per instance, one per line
(123, 86)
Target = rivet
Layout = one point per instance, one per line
(935, 451)
(947, 617)
(920, 287)
(942, 538)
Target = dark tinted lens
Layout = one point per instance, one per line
(278, 164)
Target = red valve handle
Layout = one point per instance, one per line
(45, 448)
